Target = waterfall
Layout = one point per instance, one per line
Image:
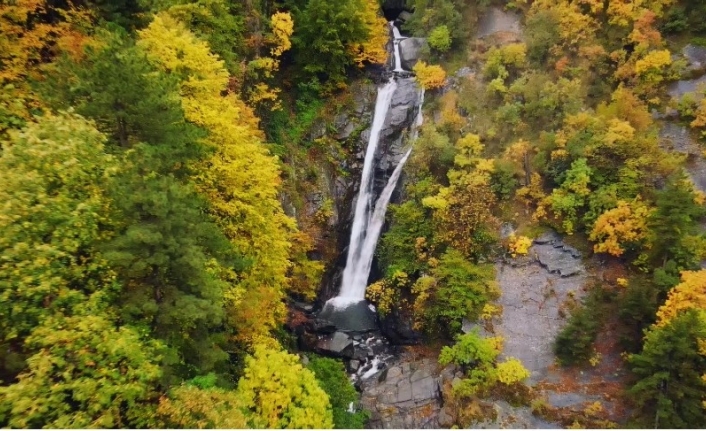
(354, 282)
(397, 37)
(368, 219)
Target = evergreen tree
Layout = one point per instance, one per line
(670, 390)
(324, 31)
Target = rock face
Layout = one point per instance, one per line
(410, 51)
(534, 291)
(405, 395)
(496, 20)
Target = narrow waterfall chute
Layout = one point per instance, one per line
(397, 38)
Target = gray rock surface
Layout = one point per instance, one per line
(678, 138)
(338, 344)
(680, 88)
(533, 293)
(405, 395)
(410, 51)
(695, 56)
(510, 417)
(496, 20)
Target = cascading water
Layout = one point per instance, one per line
(369, 218)
(397, 37)
(354, 283)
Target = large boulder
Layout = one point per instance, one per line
(410, 51)
(338, 345)
(356, 317)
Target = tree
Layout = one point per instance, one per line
(174, 263)
(331, 376)
(625, 225)
(429, 76)
(324, 37)
(457, 290)
(373, 48)
(690, 293)
(440, 38)
(670, 388)
(675, 217)
(278, 392)
(189, 406)
(240, 181)
(86, 373)
(478, 356)
(54, 211)
(130, 101)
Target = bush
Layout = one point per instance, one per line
(332, 378)
(440, 38)
(574, 344)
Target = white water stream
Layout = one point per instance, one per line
(397, 37)
(354, 282)
(369, 218)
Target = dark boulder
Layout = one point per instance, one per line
(338, 345)
(398, 330)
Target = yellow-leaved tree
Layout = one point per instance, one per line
(620, 226)
(373, 48)
(278, 392)
(241, 180)
(429, 76)
(690, 293)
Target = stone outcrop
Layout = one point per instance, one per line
(405, 395)
(496, 22)
(534, 293)
(411, 50)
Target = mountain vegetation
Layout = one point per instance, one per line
(153, 154)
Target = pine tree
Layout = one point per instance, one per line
(670, 388)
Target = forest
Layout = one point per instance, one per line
(158, 160)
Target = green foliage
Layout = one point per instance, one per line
(431, 14)
(542, 29)
(463, 289)
(169, 253)
(574, 344)
(670, 388)
(477, 356)
(675, 218)
(410, 220)
(86, 374)
(440, 38)
(54, 209)
(322, 35)
(332, 377)
(130, 101)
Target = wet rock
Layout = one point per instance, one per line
(407, 394)
(353, 365)
(303, 306)
(404, 16)
(338, 345)
(356, 317)
(322, 326)
(398, 330)
(410, 51)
